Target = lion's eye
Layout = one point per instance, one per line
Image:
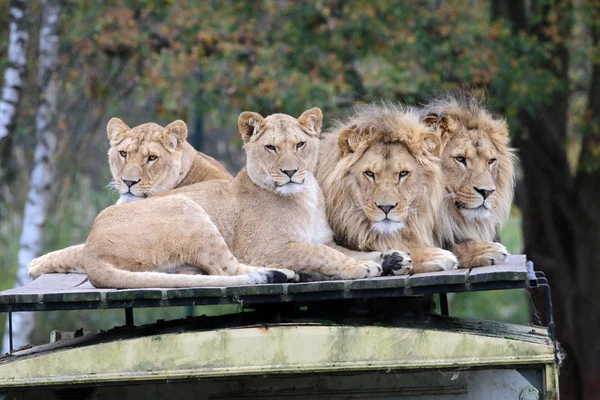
(300, 145)
(403, 174)
(492, 160)
(152, 158)
(370, 174)
(270, 147)
(461, 159)
(123, 154)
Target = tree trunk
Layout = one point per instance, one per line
(561, 214)
(43, 171)
(586, 297)
(11, 91)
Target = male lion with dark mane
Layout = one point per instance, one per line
(383, 185)
(477, 162)
(144, 160)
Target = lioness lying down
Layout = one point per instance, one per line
(271, 215)
(144, 160)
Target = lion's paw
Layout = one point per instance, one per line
(373, 269)
(35, 267)
(396, 263)
(362, 269)
(492, 253)
(440, 260)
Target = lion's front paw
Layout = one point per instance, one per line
(438, 260)
(396, 263)
(485, 254)
(373, 269)
(35, 267)
(363, 269)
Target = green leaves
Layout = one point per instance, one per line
(287, 56)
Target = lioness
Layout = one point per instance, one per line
(272, 214)
(383, 185)
(477, 162)
(144, 160)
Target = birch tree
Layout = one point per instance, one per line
(42, 176)
(11, 91)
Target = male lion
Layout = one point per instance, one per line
(144, 160)
(479, 177)
(383, 184)
(272, 215)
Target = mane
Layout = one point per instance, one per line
(468, 112)
(391, 125)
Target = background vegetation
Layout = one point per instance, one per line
(204, 62)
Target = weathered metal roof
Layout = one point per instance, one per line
(194, 349)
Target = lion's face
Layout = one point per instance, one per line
(145, 159)
(381, 178)
(470, 165)
(280, 149)
(388, 184)
(476, 160)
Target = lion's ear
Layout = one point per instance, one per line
(248, 124)
(115, 129)
(431, 143)
(312, 120)
(174, 135)
(441, 123)
(430, 120)
(348, 140)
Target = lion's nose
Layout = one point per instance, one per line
(129, 183)
(289, 172)
(485, 193)
(386, 209)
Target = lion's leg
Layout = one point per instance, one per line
(430, 259)
(324, 261)
(69, 259)
(393, 262)
(480, 254)
(212, 255)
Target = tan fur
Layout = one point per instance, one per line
(468, 130)
(263, 217)
(177, 164)
(385, 140)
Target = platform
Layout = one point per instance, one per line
(316, 339)
(74, 291)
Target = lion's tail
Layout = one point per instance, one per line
(105, 275)
(69, 259)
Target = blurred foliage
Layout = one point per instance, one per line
(205, 61)
(499, 305)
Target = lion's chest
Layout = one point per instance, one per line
(312, 227)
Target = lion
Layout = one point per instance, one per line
(263, 225)
(144, 160)
(478, 166)
(383, 185)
